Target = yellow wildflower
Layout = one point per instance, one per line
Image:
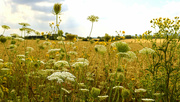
(114, 39)
(42, 33)
(123, 32)
(52, 23)
(47, 55)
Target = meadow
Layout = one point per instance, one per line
(126, 70)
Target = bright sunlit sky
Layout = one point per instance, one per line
(132, 16)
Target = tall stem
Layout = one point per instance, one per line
(57, 21)
(91, 30)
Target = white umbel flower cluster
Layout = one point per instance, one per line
(61, 77)
(147, 51)
(60, 38)
(140, 90)
(80, 64)
(121, 46)
(47, 43)
(19, 39)
(100, 49)
(147, 100)
(70, 43)
(29, 49)
(53, 50)
(61, 63)
(72, 52)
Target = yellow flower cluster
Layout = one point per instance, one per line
(4, 89)
(101, 43)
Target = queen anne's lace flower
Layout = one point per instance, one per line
(70, 43)
(147, 100)
(61, 77)
(53, 50)
(61, 63)
(1, 60)
(47, 43)
(140, 90)
(82, 60)
(100, 49)
(147, 51)
(80, 64)
(121, 46)
(72, 52)
(19, 39)
(29, 49)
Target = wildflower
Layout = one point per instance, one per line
(42, 33)
(103, 97)
(21, 56)
(84, 90)
(70, 43)
(47, 43)
(100, 49)
(5, 69)
(123, 32)
(61, 63)
(72, 52)
(1, 60)
(121, 46)
(140, 90)
(53, 50)
(83, 60)
(60, 42)
(29, 49)
(147, 100)
(12, 46)
(19, 39)
(95, 92)
(61, 77)
(131, 56)
(75, 48)
(118, 87)
(158, 94)
(146, 51)
(80, 64)
(81, 85)
(61, 38)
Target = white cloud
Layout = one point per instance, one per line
(113, 15)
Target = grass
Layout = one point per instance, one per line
(27, 81)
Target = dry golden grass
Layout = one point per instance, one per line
(84, 48)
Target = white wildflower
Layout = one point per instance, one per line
(103, 97)
(80, 64)
(29, 49)
(82, 60)
(100, 49)
(131, 56)
(61, 77)
(61, 42)
(70, 43)
(158, 94)
(12, 46)
(1, 60)
(81, 85)
(72, 52)
(118, 87)
(5, 69)
(84, 90)
(47, 43)
(147, 100)
(60, 38)
(140, 90)
(53, 50)
(21, 56)
(19, 39)
(147, 51)
(61, 63)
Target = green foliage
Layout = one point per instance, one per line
(95, 92)
(60, 32)
(70, 37)
(3, 39)
(107, 37)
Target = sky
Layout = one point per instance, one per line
(131, 16)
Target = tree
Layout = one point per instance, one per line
(57, 11)
(93, 19)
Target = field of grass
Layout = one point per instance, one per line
(102, 76)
